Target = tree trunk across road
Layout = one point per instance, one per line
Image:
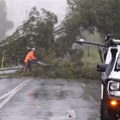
(49, 99)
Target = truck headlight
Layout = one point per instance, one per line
(114, 88)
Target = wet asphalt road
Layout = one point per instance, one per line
(51, 99)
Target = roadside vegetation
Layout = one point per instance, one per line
(55, 45)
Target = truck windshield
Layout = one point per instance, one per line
(117, 66)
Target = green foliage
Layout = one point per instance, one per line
(13, 53)
(104, 15)
(37, 32)
(93, 16)
(68, 67)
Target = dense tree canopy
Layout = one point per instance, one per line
(101, 14)
(82, 15)
(37, 32)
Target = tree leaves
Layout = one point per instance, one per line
(37, 31)
(102, 14)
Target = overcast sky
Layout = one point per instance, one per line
(17, 10)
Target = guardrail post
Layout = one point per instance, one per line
(3, 59)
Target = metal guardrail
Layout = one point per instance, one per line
(11, 68)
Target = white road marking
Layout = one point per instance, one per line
(10, 94)
(7, 94)
(70, 116)
(71, 113)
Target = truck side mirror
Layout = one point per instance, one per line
(102, 67)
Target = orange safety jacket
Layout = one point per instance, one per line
(29, 56)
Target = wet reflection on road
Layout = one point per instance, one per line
(52, 99)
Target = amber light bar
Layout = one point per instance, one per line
(113, 103)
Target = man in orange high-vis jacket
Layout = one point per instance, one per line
(30, 57)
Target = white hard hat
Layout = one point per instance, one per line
(33, 49)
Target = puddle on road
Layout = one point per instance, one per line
(45, 99)
(56, 99)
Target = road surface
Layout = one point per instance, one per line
(49, 99)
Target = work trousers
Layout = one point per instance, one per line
(28, 65)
